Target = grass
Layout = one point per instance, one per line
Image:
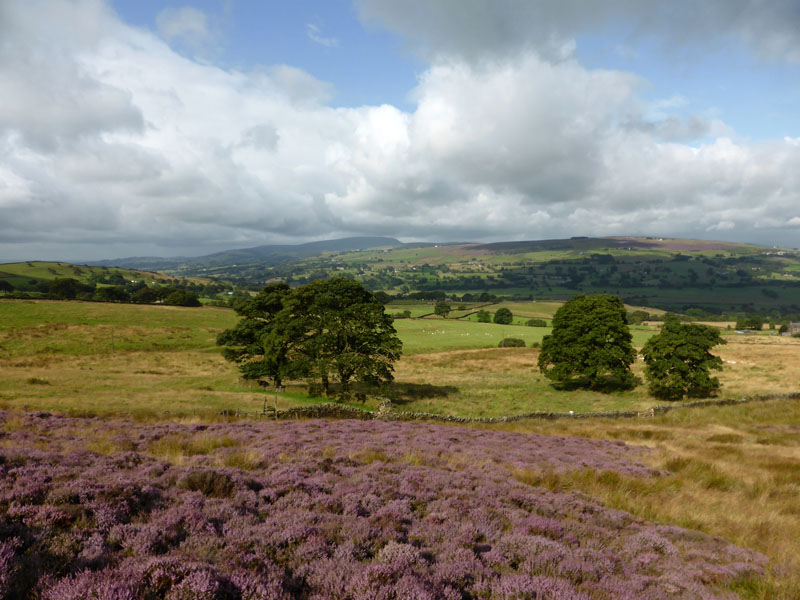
(61, 270)
(732, 471)
(155, 361)
(422, 336)
(719, 478)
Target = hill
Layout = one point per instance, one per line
(269, 254)
(703, 278)
(706, 277)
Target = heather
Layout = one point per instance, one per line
(329, 509)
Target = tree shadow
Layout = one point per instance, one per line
(605, 385)
(401, 392)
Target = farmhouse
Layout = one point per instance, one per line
(794, 329)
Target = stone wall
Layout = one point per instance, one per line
(344, 411)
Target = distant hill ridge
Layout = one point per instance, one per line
(280, 253)
(259, 254)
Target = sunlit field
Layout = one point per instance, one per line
(96, 358)
(729, 471)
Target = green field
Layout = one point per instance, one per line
(727, 471)
(47, 271)
(147, 360)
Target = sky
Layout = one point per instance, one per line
(152, 128)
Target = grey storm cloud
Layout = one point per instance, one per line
(474, 29)
(112, 143)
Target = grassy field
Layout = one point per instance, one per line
(46, 271)
(730, 471)
(147, 360)
(421, 336)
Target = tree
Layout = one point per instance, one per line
(484, 316)
(536, 323)
(330, 329)
(114, 293)
(503, 316)
(590, 345)
(144, 295)
(678, 361)
(336, 329)
(442, 309)
(6, 286)
(754, 322)
(637, 317)
(182, 298)
(254, 343)
(68, 288)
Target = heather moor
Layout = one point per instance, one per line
(380, 300)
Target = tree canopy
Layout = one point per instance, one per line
(442, 309)
(678, 361)
(503, 316)
(254, 343)
(328, 330)
(751, 322)
(590, 345)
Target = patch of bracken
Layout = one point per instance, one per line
(336, 509)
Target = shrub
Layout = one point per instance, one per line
(484, 316)
(511, 343)
(536, 323)
(211, 483)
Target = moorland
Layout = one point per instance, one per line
(125, 465)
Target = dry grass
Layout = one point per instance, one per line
(178, 448)
(733, 472)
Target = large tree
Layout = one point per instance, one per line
(590, 345)
(331, 330)
(678, 361)
(255, 343)
(337, 330)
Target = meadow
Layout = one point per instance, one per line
(147, 361)
(731, 472)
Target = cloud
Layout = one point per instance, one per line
(472, 29)
(51, 97)
(315, 35)
(109, 136)
(185, 25)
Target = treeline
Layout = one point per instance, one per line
(137, 292)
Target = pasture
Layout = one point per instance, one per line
(730, 471)
(152, 361)
(47, 271)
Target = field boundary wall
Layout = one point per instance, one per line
(384, 412)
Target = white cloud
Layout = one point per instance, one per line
(187, 25)
(314, 33)
(109, 135)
